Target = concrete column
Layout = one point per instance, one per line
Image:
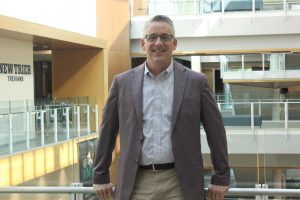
(196, 63)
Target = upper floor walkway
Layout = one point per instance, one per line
(240, 26)
(198, 7)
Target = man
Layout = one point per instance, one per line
(157, 108)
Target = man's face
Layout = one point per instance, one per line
(159, 49)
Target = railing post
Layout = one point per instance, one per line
(243, 63)
(286, 118)
(259, 107)
(66, 113)
(252, 120)
(257, 197)
(96, 118)
(76, 196)
(78, 120)
(54, 117)
(265, 186)
(88, 119)
(27, 130)
(40, 116)
(42, 127)
(10, 134)
(263, 62)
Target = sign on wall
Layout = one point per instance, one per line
(16, 70)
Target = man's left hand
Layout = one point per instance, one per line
(216, 192)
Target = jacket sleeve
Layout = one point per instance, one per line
(216, 136)
(107, 137)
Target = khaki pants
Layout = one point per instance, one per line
(156, 185)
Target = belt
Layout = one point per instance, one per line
(156, 167)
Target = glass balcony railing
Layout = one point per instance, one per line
(190, 7)
(23, 128)
(263, 114)
(273, 64)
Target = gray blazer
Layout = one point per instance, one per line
(193, 103)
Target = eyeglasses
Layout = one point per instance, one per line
(163, 37)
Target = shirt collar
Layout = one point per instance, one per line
(166, 72)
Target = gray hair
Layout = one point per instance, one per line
(160, 18)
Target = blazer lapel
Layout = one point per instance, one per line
(137, 91)
(180, 78)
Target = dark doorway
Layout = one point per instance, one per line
(219, 85)
(42, 81)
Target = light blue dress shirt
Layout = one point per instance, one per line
(157, 117)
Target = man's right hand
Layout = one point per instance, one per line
(104, 191)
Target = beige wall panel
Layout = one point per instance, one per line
(113, 20)
(79, 73)
(210, 77)
(28, 165)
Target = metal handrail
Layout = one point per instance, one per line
(72, 190)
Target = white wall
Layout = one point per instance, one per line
(14, 86)
(262, 141)
(72, 15)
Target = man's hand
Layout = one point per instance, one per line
(216, 192)
(104, 191)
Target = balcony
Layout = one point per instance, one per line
(196, 7)
(24, 127)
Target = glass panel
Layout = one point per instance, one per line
(19, 131)
(272, 4)
(234, 63)
(247, 176)
(93, 118)
(253, 62)
(292, 61)
(4, 134)
(18, 106)
(49, 126)
(73, 122)
(293, 114)
(280, 159)
(293, 4)
(210, 6)
(84, 125)
(62, 133)
(240, 5)
(186, 7)
(35, 128)
(266, 62)
(4, 107)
